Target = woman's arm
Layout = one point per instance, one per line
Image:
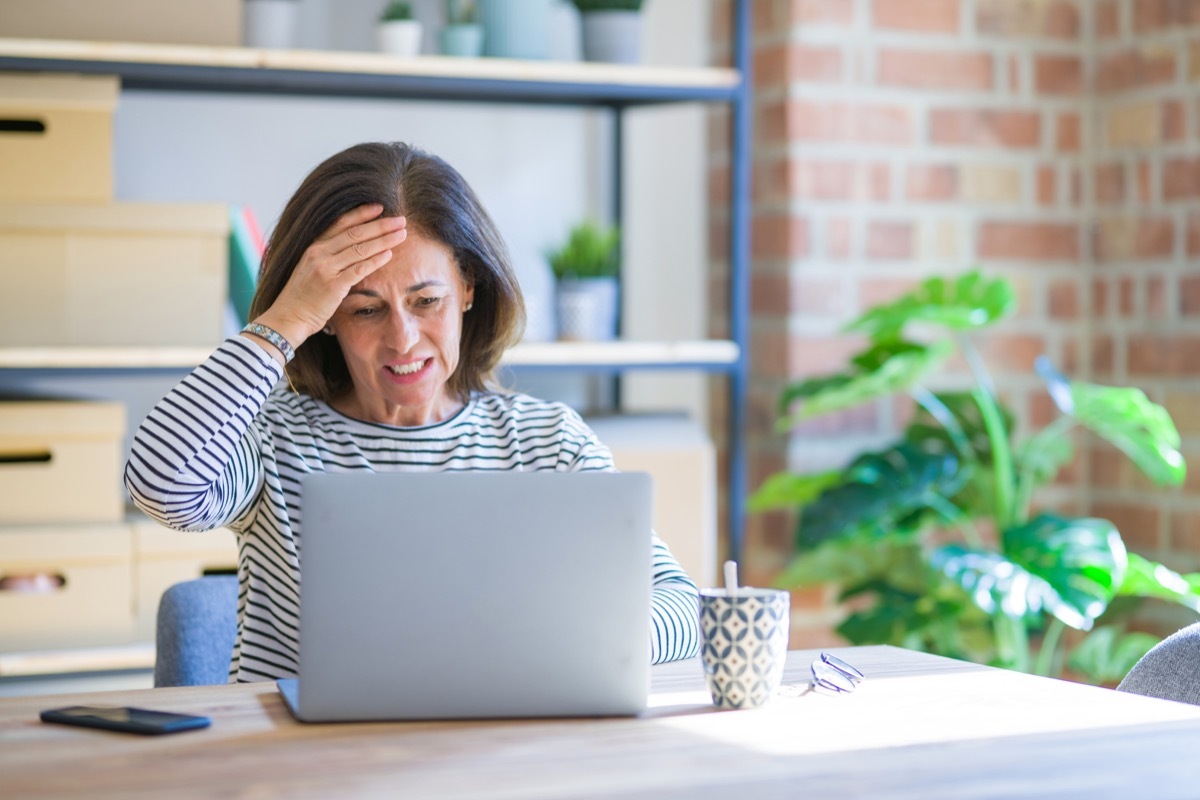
(674, 609)
(195, 463)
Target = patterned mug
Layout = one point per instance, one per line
(744, 636)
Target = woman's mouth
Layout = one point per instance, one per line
(410, 368)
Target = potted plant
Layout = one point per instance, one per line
(611, 30)
(462, 34)
(398, 32)
(586, 269)
(936, 538)
(516, 28)
(269, 23)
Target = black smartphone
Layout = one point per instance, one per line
(130, 720)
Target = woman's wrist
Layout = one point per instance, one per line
(275, 335)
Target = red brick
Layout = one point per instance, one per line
(1174, 121)
(845, 122)
(1152, 15)
(771, 184)
(860, 420)
(771, 123)
(1056, 19)
(1109, 183)
(1012, 352)
(779, 236)
(1163, 355)
(1108, 19)
(924, 69)
(784, 64)
(839, 238)
(929, 16)
(1058, 75)
(823, 12)
(931, 182)
(1033, 241)
(1138, 524)
(840, 180)
(808, 355)
(1104, 356)
(771, 16)
(950, 126)
(1156, 298)
(1134, 69)
(889, 240)
(1100, 297)
(1125, 296)
(1189, 296)
(1193, 235)
(1181, 179)
(1117, 240)
(1047, 186)
(1064, 299)
(1184, 532)
(769, 353)
(1069, 134)
(816, 296)
(769, 295)
(1144, 181)
(718, 185)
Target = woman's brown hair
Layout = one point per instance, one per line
(438, 205)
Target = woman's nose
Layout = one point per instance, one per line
(404, 332)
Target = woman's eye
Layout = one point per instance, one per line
(427, 302)
(364, 312)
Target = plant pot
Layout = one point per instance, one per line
(587, 309)
(612, 36)
(515, 28)
(400, 37)
(465, 41)
(269, 23)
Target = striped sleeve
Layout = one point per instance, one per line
(674, 601)
(194, 463)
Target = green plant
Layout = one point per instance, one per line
(935, 539)
(591, 251)
(461, 12)
(395, 11)
(608, 5)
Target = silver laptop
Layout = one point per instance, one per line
(473, 595)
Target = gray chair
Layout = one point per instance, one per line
(195, 633)
(1171, 670)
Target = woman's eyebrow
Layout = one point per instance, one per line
(416, 287)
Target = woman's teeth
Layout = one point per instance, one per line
(406, 369)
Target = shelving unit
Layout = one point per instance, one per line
(367, 75)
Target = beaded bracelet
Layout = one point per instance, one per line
(272, 336)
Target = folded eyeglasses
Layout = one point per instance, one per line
(833, 674)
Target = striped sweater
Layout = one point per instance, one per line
(229, 445)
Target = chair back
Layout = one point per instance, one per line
(1171, 670)
(195, 633)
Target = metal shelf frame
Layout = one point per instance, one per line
(605, 87)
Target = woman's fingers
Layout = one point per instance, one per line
(351, 218)
(363, 242)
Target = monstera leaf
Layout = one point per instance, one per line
(785, 490)
(966, 417)
(965, 303)
(884, 369)
(1068, 568)
(1108, 653)
(1144, 578)
(880, 493)
(1125, 417)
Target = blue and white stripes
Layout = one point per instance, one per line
(224, 449)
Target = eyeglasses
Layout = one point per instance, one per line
(833, 674)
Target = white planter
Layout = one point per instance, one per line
(269, 23)
(612, 36)
(587, 309)
(400, 37)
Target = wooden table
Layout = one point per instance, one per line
(919, 727)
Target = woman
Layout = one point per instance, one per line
(386, 300)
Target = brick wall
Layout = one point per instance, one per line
(1053, 141)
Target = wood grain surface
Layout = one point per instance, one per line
(919, 727)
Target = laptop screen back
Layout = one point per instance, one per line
(469, 595)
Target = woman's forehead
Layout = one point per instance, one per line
(416, 262)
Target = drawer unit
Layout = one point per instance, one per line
(125, 274)
(60, 461)
(64, 586)
(163, 556)
(56, 140)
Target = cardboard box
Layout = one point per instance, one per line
(208, 22)
(65, 586)
(56, 140)
(61, 461)
(127, 274)
(163, 557)
(680, 457)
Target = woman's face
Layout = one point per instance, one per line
(399, 330)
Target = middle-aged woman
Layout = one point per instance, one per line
(386, 299)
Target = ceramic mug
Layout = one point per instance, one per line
(744, 637)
